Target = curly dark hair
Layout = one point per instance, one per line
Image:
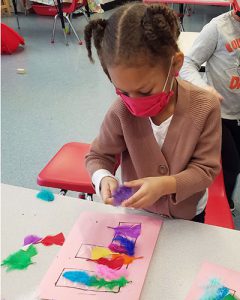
(133, 34)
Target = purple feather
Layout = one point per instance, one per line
(132, 231)
(121, 194)
(31, 239)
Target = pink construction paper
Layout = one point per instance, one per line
(208, 271)
(90, 230)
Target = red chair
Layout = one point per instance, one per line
(68, 10)
(218, 211)
(66, 171)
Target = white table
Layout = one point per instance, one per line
(181, 248)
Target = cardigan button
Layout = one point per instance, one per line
(163, 170)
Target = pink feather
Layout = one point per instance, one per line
(110, 274)
(117, 248)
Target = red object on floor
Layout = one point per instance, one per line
(10, 40)
(57, 239)
(217, 211)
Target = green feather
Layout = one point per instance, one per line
(84, 278)
(100, 282)
(229, 297)
(121, 282)
(20, 260)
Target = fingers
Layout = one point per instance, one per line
(141, 204)
(109, 201)
(134, 199)
(113, 185)
(108, 186)
(106, 193)
(134, 183)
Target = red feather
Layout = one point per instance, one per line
(113, 263)
(57, 239)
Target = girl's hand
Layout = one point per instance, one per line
(151, 189)
(108, 186)
(214, 92)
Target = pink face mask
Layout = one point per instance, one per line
(148, 106)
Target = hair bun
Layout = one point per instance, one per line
(101, 22)
(160, 25)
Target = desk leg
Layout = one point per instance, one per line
(15, 12)
(60, 12)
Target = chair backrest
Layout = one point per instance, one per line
(66, 170)
(218, 211)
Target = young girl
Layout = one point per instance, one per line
(166, 130)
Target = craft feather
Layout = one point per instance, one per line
(110, 274)
(215, 290)
(127, 259)
(57, 239)
(117, 248)
(45, 195)
(132, 231)
(31, 239)
(121, 194)
(222, 292)
(122, 245)
(84, 278)
(20, 260)
(98, 252)
(113, 263)
(230, 297)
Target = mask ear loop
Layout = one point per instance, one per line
(168, 76)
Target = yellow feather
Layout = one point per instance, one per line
(98, 252)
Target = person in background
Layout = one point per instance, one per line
(218, 44)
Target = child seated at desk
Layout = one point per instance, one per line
(166, 130)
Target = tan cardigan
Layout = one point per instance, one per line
(191, 150)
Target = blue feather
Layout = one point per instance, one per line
(215, 290)
(45, 195)
(126, 243)
(77, 276)
(222, 292)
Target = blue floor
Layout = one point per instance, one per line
(61, 98)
